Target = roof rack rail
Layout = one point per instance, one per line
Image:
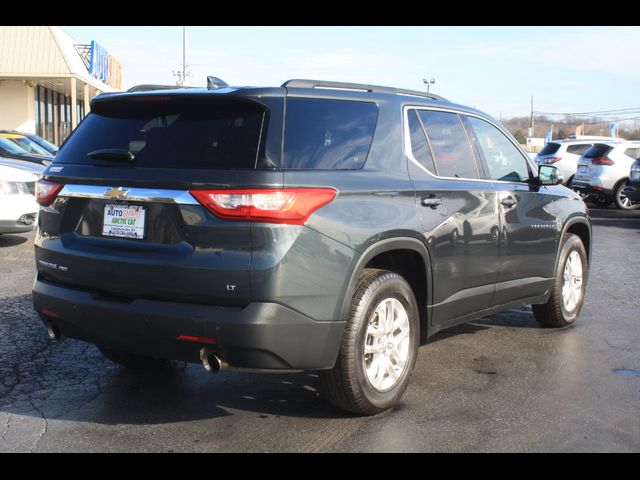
(151, 87)
(304, 83)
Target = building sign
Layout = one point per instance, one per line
(104, 67)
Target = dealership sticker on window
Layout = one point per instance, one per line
(126, 221)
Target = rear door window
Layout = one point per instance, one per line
(578, 149)
(632, 152)
(328, 134)
(449, 144)
(419, 147)
(172, 132)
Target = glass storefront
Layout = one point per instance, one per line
(53, 114)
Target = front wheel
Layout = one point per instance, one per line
(567, 292)
(379, 347)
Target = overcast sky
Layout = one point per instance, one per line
(495, 69)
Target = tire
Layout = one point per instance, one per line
(620, 198)
(348, 385)
(556, 312)
(131, 360)
(602, 200)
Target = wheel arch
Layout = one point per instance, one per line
(397, 251)
(581, 227)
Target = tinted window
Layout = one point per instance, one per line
(449, 143)
(549, 149)
(578, 149)
(632, 152)
(503, 159)
(598, 150)
(419, 147)
(328, 134)
(171, 133)
(8, 146)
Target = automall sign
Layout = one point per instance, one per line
(104, 67)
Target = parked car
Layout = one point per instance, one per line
(634, 181)
(564, 154)
(25, 142)
(47, 145)
(218, 226)
(18, 206)
(604, 170)
(9, 149)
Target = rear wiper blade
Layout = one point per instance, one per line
(112, 154)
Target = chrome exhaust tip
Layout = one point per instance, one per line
(210, 361)
(53, 331)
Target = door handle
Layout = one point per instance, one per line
(432, 202)
(508, 201)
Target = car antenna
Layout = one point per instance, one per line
(215, 82)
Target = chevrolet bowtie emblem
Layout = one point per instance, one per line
(116, 193)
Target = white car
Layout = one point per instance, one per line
(564, 154)
(604, 171)
(18, 207)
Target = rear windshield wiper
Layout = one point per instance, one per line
(119, 154)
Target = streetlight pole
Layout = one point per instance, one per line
(428, 83)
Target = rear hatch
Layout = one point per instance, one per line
(548, 154)
(125, 225)
(594, 158)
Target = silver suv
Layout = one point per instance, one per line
(564, 154)
(604, 170)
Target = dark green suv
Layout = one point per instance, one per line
(318, 225)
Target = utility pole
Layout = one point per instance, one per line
(532, 133)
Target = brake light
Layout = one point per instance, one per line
(288, 205)
(47, 191)
(549, 160)
(603, 160)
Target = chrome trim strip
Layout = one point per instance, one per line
(181, 197)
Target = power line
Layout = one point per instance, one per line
(619, 111)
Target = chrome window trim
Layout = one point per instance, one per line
(181, 197)
(409, 153)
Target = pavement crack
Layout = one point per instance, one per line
(44, 429)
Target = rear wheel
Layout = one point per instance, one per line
(379, 347)
(567, 293)
(131, 360)
(622, 199)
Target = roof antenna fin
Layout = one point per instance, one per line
(215, 82)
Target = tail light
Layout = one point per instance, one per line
(288, 205)
(603, 160)
(47, 191)
(549, 160)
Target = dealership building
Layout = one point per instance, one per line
(47, 79)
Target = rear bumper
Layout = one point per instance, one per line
(14, 226)
(587, 188)
(265, 336)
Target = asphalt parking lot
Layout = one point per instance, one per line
(501, 383)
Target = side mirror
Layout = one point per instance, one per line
(548, 175)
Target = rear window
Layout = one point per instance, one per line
(598, 150)
(171, 132)
(549, 149)
(328, 134)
